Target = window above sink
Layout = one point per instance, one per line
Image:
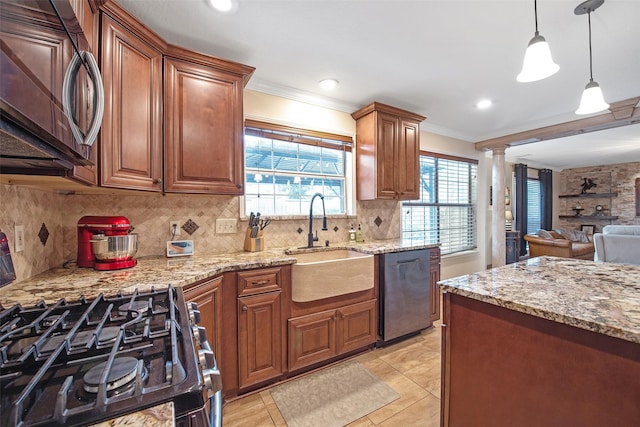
(285, 167)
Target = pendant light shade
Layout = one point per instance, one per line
(538, 63)
(592, 100)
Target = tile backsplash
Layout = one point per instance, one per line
(150, 215)
(41, 213)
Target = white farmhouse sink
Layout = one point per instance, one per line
(330, 273)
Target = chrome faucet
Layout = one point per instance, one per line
(311, 238)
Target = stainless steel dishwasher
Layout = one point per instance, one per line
(404, 294)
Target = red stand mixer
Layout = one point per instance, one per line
(104, 243)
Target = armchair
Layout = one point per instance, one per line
(618, 243)
(552, 243)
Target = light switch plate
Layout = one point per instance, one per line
(226, 225)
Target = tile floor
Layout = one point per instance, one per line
(411, 367)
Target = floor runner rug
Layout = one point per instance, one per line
(332, 397)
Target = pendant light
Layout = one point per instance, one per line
(592, 99)
(538, 63)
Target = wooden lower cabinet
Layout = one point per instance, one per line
(316, 337)
(208, 296)
(259, 338)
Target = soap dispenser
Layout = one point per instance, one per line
(352, 234)
(359, 238)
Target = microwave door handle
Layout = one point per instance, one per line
(67, 97)
(96, 78)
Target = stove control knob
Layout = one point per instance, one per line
(207, 359)
(194, 313)
(200, 335)
(212, 380)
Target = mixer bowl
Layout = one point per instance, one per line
(114, 248)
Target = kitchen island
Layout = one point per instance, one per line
(546, 341)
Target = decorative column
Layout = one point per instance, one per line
(498, 235)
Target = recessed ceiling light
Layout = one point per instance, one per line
(224, 6)
(328, 84)
(483, 104)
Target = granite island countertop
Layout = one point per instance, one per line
(599, 297)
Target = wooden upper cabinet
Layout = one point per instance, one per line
(131, 133)
(87, 13)
(387, 153)
(203, 115)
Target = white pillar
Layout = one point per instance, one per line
(498, 232)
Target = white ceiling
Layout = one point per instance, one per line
(434, 57)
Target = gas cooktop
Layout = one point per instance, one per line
(85, 361)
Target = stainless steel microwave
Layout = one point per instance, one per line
(51, 94)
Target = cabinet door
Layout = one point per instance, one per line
(259, 338)
(208, 296)
(356, 325)
(203, 129)
(434, 277)
(386, 161)
(312, 339)
(407, 162)
(131, 132)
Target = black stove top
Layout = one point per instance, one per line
(81, 362)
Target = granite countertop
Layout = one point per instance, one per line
(158, 272)
(599, 297)
(71, 283)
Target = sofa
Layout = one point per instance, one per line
(560, 243)
(618, 243)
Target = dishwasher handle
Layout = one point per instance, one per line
(407, 261)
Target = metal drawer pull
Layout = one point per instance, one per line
(244, 308)
(261, 283)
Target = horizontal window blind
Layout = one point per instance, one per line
(446, 210)
(534, 206)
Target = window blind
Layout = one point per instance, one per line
(446, 210)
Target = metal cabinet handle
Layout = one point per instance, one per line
(244, 308)
(261, 283)
(67, 92)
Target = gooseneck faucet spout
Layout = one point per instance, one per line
(311, 238)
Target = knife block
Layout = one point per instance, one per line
(253, 244)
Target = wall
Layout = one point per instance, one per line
(41, 213)
(618, 178)
(150, 213)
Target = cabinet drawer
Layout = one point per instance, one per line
(258, 281)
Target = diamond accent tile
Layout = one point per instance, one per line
(336, 229)
(43, 234)
(190, 226)
(299, 230)
(378, 221)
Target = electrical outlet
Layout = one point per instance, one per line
(19, 243)
(226, 225)
(174, 227)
